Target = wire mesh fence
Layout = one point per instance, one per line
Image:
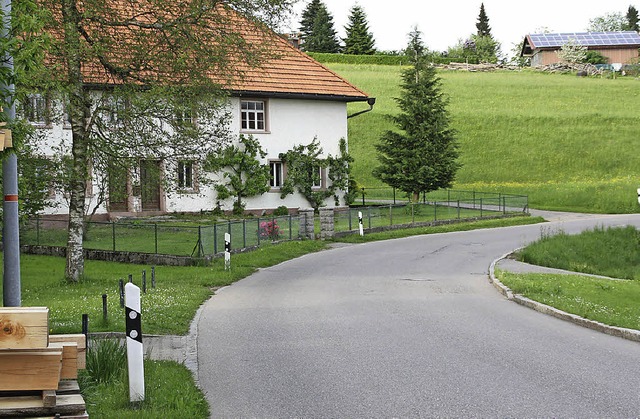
(446, 205)
(168, 238)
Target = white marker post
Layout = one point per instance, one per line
(135, 355)
(638, 195)
(360, 223)
(227, 251)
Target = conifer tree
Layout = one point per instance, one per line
(308, 17)
(422, 157)
(359, 40)
(483, 47)
(323, 36)
(632, 20)
(483, 23)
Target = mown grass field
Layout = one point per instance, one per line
(568, 143)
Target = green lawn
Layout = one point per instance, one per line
(613, 252)
(568, 143)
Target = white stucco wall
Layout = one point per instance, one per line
(290, 122)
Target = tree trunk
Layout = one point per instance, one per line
(79, 110)
(415, 198)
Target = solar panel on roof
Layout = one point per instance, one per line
(585, 38)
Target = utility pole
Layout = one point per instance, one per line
(10, 229)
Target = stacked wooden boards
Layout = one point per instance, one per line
(38, 370)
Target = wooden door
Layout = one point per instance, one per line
(150, 185)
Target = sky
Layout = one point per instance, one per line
(444, 22)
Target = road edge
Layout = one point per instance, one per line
(629, 334)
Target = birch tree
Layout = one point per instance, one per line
(130, 71)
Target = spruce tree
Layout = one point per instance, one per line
(483, 23)
(323, 37)
(422, 156)
(359, 40)
(308, 17)
(632, 20)
(484, 47)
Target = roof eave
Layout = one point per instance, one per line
(301, 96)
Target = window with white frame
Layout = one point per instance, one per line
(186, 174)
(184, 115)
(277, 174)
(253, 115)
(36, 109)
(317, 180)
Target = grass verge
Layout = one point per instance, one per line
(607, 301)
(447, 228)
(169, 388)
(609, 251)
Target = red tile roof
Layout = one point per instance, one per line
(291, 71)
(285, 71)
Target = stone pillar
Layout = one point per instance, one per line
(306, 223)
(326, 223)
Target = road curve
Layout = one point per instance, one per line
(408, 328)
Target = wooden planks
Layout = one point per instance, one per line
(69, 359)
(32, 365)
(24, 327)
(81, 342)
(30, 369)
(29, 406)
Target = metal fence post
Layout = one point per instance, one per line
(155, 233)
(480, 207)
(244, 233)
(369, 215)
(38, 230)
(394, 198)
(458, 209)
(390, 215)
(350, 227)
(113, 234)
(215, 238)
(258, 230)
(200, 242)
(290, 228)
(413, 217)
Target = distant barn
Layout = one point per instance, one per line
(616, 47)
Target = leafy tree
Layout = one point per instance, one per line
(632, 20)
(483, 23)
(594, 57)
(610, 22)
(304, 167)
(359, 40)
(572, 52)
(422, 157)
(242, 173)
(323, 36)
(158, 60)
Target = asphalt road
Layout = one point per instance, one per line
(408, 328)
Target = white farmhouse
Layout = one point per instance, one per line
(290, 100)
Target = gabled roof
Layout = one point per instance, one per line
(551, 41)
(286, 71)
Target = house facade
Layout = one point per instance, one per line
(289, 100)
(616, 47)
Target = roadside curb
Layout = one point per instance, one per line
(621, 332)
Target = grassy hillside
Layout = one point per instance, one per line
(569, 143)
